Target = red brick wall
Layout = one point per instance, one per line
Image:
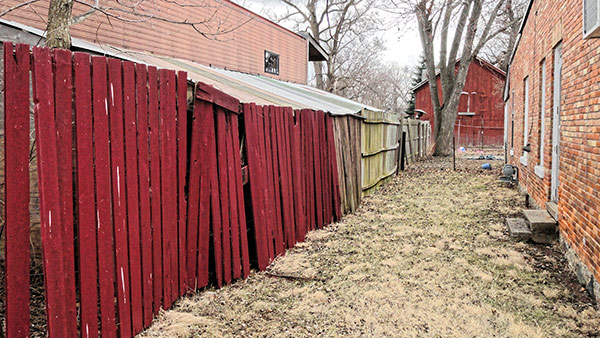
(550, 22)
(241, 49)
(487, 105)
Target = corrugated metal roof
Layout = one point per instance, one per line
(263, 90)
(248, 88)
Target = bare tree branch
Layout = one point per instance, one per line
(15, 7)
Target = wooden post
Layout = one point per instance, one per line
(410, 141)
(402, 150)
(453, 153)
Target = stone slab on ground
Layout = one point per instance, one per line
(517, 227)
(539, 221)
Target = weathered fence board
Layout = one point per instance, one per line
(155, 188)
(16, 152)
(131, 177)
(86, 197)
(141, 74)
(106, 262)
(239, 200)
(117, 163)
(225, 225)
(182, 178)
(63, 95)
(51, 228)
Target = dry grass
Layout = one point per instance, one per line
(426, 255)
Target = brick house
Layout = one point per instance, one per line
(236, 38)
(553, 105)
(480, 113)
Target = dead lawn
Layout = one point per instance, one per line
(426, 255)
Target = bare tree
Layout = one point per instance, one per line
(498, 50)
(366, 78)
(337, 25)
(462, 28)
(60, 16)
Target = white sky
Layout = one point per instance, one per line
(402, 43)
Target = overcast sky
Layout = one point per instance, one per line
(403, 44)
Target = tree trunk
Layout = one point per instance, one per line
(58, 34)
(443, 139)
(318, 66)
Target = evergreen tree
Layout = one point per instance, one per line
(417, 78)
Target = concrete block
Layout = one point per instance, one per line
(517, 227)
(539, 221)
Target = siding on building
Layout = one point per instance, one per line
(485, 127)
(241, 47)
(551, 23)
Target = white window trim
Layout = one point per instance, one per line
(543, 117)
(539, 171)
(525, 117)
(594, 31)
(523, 160)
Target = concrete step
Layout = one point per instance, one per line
(552, 209)
(539, 220)
(542, 226)
(518, 229)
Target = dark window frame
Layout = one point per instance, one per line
(271, 65)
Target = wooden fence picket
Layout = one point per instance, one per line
(132, 189)
(16, 152)
(141, 83)
(51, 227)
(202, 114)
(236, 259)
(296, 167)
(119, 199)
(63, 107)
(106, 262)
(225, 226)
(86, 220)
(337, 205)
(182, 178)
(243, 232)
(256, 182)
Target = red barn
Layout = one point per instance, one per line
(480, 120)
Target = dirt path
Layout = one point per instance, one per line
(426, 255)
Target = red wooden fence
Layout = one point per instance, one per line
(293, 176)
(131, 210)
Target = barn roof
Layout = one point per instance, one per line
(483, 62)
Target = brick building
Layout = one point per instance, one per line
(480, 112)
(553, 105)
(235, 38)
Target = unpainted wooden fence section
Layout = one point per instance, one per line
(381, 148)
(418, 139)
(347, 132)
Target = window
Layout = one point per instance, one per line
(512, 123)
(271, 63)
(591, 18)
(525, 119)
(539, 169)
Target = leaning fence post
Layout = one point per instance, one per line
(402, 150)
